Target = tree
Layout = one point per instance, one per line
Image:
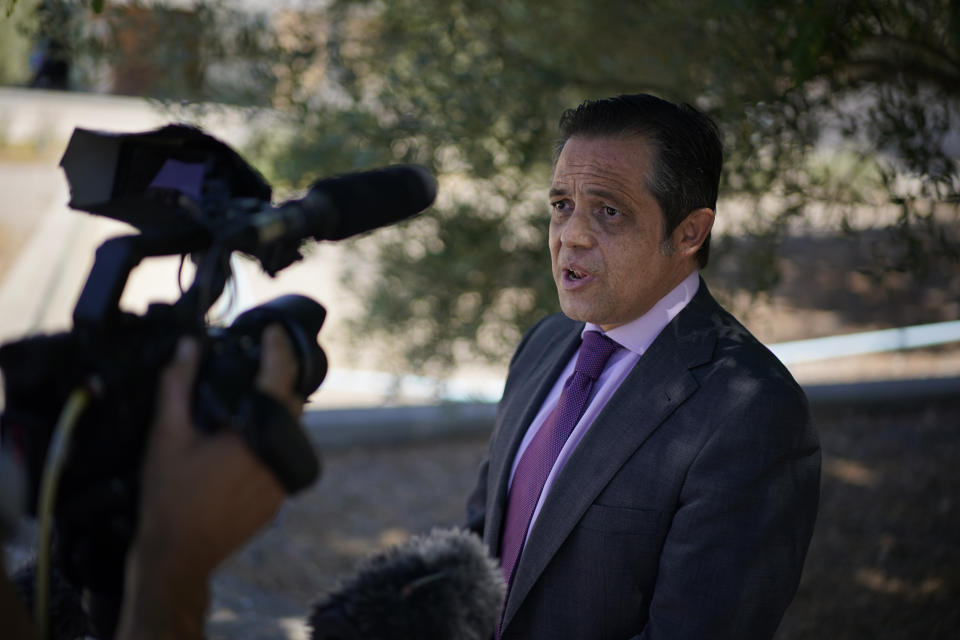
(828, 110)
(834, 114)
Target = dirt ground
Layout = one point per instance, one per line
(884, 562)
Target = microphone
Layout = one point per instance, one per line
(339, 207)
(441, 586)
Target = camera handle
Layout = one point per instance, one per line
(114, 261)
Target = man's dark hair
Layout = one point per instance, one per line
(688, 152)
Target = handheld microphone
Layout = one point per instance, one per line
(441, 586)
(339, 207)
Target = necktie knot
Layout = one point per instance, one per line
(594, 353)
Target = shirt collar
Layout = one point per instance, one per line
(637, 335)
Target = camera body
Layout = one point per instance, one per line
(97, 503)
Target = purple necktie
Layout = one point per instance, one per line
(541, 454)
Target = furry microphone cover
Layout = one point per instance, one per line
(441, 586)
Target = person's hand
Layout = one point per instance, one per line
(202, 497)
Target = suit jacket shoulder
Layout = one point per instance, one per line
(731, 366)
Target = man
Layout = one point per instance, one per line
(664, 482)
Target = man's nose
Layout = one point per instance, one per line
(577, 230)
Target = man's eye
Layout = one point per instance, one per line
(611, 211)
(560, 205)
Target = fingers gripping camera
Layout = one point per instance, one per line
(225, 398)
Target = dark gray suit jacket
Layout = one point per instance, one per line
(686, 510)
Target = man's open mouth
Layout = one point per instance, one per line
(573, 274)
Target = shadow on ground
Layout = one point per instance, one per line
(884, 562)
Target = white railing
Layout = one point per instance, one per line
(923, 335)
(489, 390)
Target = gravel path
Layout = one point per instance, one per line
(884, 563)
(368, 498)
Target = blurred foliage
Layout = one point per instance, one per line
(33, 29)
(20, 21)
(829, 111)
(834, 116)
(10, 5)
(14, 46)
(173, 51)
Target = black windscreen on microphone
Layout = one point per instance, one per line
(342, 206)
(441, 586)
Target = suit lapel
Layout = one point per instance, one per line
(516, 418)
(659, 383)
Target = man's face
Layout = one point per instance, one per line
(606, 231)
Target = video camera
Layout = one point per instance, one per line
(186, 193)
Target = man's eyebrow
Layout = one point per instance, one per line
(602, 193)
(590, 191)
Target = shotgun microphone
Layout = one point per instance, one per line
(343, 206)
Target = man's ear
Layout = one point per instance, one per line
(693, 231)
